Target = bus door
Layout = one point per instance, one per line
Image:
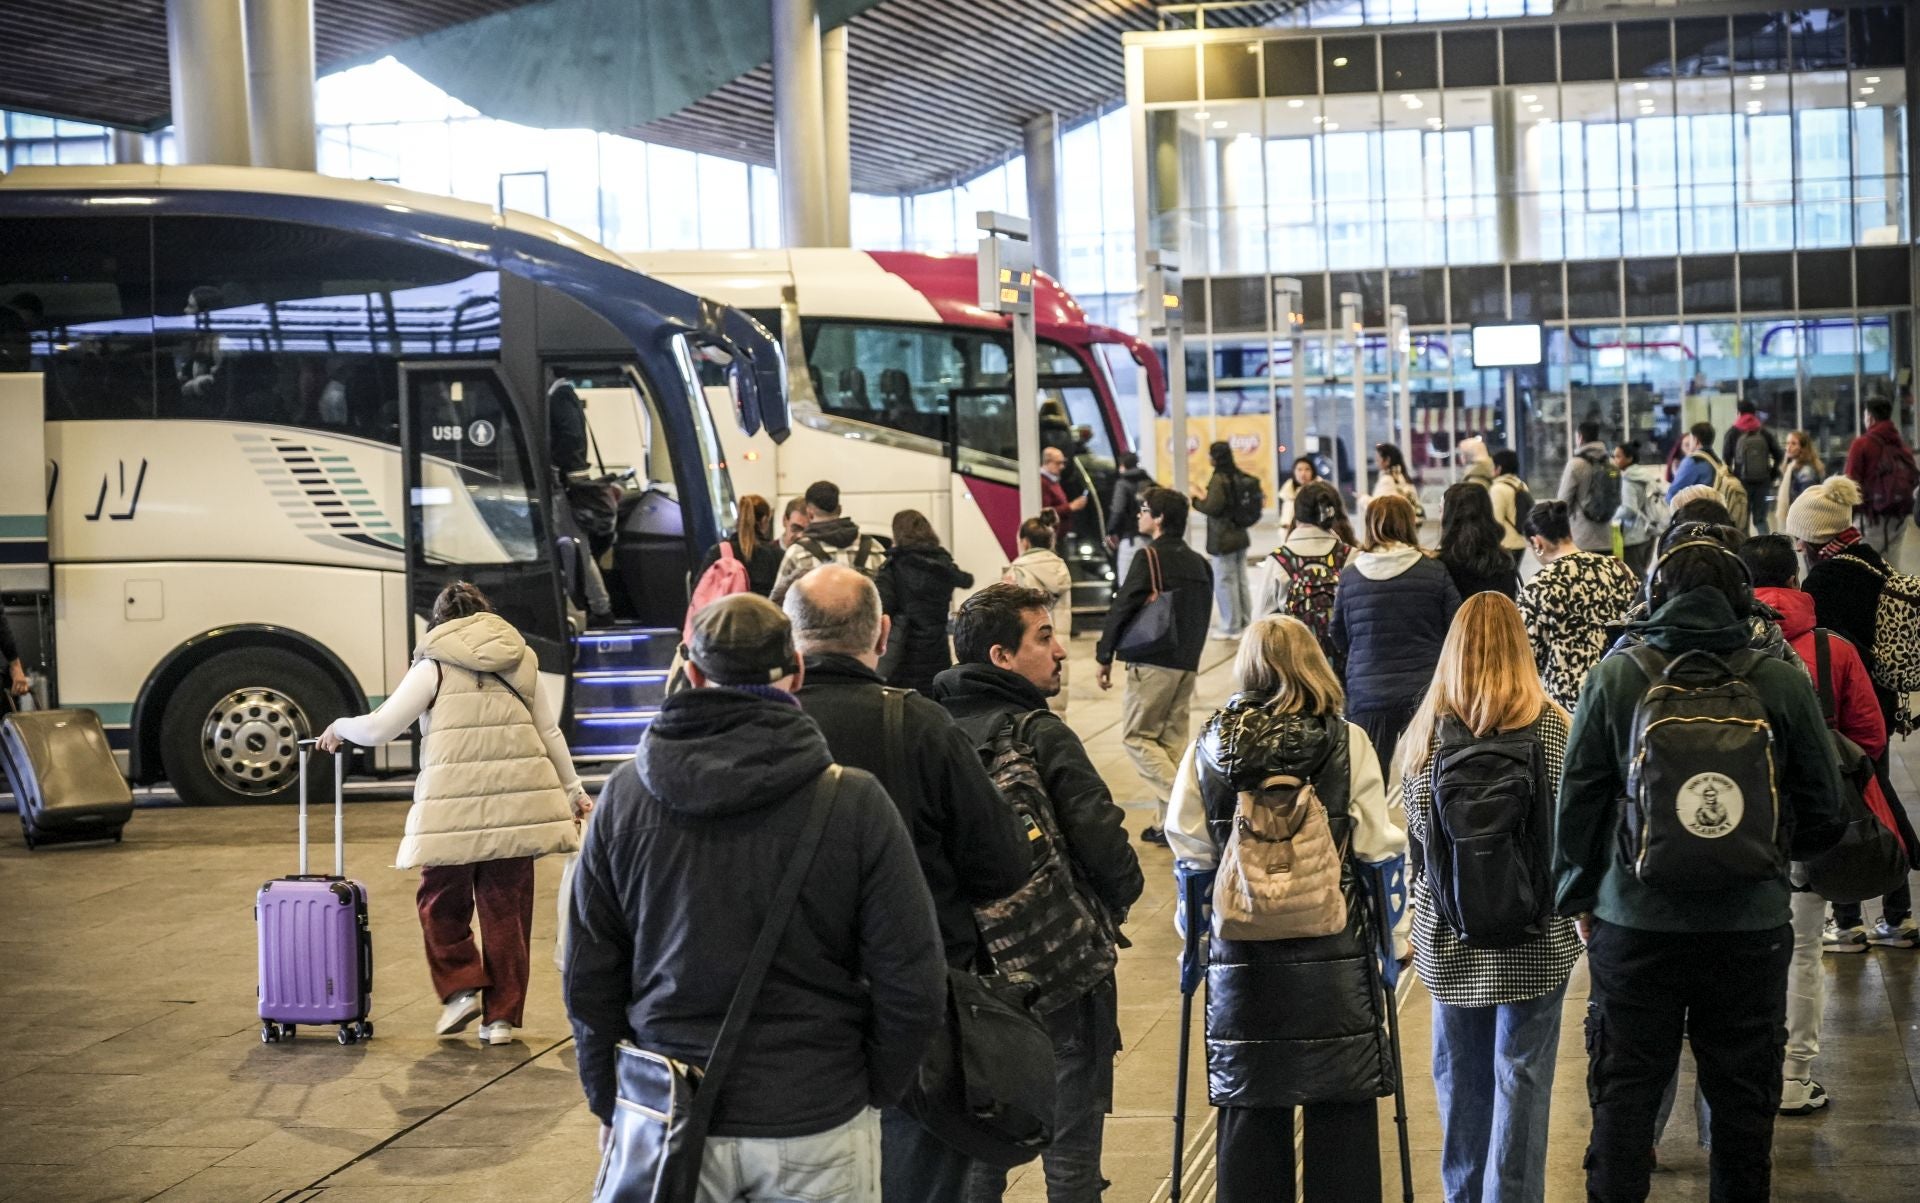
(24, 491)
(474, 508)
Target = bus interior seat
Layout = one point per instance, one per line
(651, 564)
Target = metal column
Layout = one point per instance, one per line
(1350, 329)
(1288, 319)
(1041, 140)
(1400, 347)
(1006, 286)
(207, 65)
(129, 146)
(799, 125)
(1165, 316)
(280, 83)
(833, 88)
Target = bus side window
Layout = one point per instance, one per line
(899, 377)
(292, 325)
(76, 302)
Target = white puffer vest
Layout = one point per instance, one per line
(486, 789)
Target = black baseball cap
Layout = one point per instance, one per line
(743, 639)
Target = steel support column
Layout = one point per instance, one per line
(1040, 137)
(280, 83)
(833, 85)
(799, 123)
(207, 64)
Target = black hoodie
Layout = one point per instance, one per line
(685, 851)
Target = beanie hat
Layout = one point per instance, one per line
(1818, 515)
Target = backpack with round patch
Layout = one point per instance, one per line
(1312, 583)
(1702, 810)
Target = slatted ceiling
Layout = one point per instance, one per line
(939, 89)
(106, 60)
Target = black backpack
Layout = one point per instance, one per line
(1522, 498)
(1752, 460)
(1487, 853)
(1600, 489)
(1246, 499)
(1702, 810)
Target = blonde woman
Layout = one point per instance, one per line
(1496, 1011)
(1799, 471)
(1262, 1059)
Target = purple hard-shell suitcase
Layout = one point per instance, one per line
(316, 949)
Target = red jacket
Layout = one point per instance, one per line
(1877, 440)
(1053, 496)
(1856, 711)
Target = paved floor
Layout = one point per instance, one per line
(133, 1068)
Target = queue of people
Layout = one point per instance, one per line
(789, 884)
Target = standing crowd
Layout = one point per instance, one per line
(846, 925)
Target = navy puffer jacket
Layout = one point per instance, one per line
(1390, 617)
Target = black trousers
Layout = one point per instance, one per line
(1727, 993)
(1384, 728)
(1341, 1144)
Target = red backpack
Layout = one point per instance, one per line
(725, 577)
(1890, 480)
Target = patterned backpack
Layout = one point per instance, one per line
(1312, 582)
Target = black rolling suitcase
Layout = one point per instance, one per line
(63, 776)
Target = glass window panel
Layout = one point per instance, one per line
(76, 302)
(876, 222)
(1883, 276)
(1877, 36)
(1293, 180)
(1527, 54)
(1826, 280)
(27, 125)
(1423, 292)
(766, 210)
(573, 180)
(1413, 153)
(726, 218)
(1292, 67)
(1653, 287)
(1878, 106)
(1349, 64)
(673, 201)
(1596, 372)
(1763, 162)
(1704, 162)
(1586, 52)
(1539, 171)
(1829, 365)
(1701, 47)
(1659, 366)
(1760, 42)
(1467, 176)
(1823, 151)
(1353, 188)
(382, 91)
(1593, 145)
(1232, 70)
(1170, 74)
(1471, 58)
(1478, 295)
(1766, 283)
(1707, 284)
(82, 150)
(524, 192)
(1651, 217)
(1886, 362)
(1645, 49)
(1537, 292)
(623, 193)
(1819, 39)
(476, 497)
(1372, 289)
(1770, 372)
(1593, 289)
(1409, 62)
(1313, 300)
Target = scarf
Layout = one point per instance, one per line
(1839, 543)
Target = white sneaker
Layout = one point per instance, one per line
(462, 1009)
(497, 1032)
(1799, 1097)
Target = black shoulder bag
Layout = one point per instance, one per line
(665, 1106)
(1153, 630)
(1868, 860)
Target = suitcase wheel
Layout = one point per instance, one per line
(348, 1034)
(366, 1029)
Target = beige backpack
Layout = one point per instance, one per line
(1279, 875)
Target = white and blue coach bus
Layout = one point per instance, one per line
(251, 422)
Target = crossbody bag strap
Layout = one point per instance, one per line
(893, 711)
(1823, 675)
(1155, 583)
(726, 1046)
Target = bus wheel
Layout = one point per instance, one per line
(231, 731)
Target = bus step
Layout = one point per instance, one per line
(625, 648)
(619, 689)
(606, 732)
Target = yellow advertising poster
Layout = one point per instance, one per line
(1250, 435)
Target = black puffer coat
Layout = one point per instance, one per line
(1290, 1022)
(916, 590)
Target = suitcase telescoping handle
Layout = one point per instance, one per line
(339, 808)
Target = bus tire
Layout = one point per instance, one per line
(231, 731)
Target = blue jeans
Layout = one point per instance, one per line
(916, 1166)
(1230, 591)
(1085, 1039)
(1493, 1071)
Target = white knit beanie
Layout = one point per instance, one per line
(1818, 515)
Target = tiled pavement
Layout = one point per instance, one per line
(133, 1067)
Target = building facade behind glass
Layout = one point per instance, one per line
(1697, 205)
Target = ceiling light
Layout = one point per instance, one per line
(1641, 86)
(1529, 98)
(1533, 108)
(1294, 104)
(1319, 120)
(1758, 81)
(1333, 125)
(1859, 104)
(1414, 102)
(1202, 115)
(1866, 91)
(1340, 62)
(1220, 125)
(1873, 79)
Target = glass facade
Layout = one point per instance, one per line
(1696, 209)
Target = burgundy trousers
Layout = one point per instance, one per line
(502, 891)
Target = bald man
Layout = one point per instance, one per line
(971, 849)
